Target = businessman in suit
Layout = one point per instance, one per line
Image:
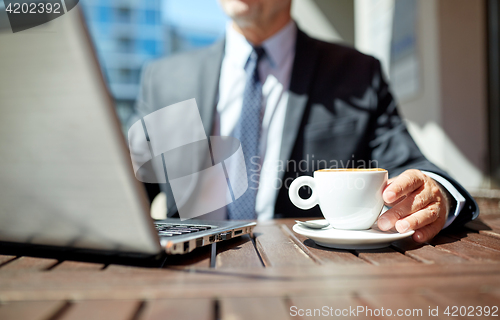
(297, 105)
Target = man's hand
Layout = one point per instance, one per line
(418, 203)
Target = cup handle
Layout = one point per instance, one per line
(293, 193)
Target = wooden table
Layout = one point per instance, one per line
(276, 274)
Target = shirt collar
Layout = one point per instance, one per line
(238, 49)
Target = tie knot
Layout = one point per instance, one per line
(257, 53)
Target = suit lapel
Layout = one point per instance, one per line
(303, 69)
(208, 85)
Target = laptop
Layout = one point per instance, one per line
(66, 178)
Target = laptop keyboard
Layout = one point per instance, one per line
(171, 230)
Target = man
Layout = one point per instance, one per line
(290, 100)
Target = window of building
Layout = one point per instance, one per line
(103, 13)
(149, 47)
(150, 17)
(125, 45)
(124, 15)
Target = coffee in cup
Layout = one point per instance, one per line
(349, 199)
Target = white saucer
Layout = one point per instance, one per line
(372, 238)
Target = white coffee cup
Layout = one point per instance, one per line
(349, 199)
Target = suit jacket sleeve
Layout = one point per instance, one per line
(145, 104)
(393, 148)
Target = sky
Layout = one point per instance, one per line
(204, 15)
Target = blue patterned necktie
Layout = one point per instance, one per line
(247, 130)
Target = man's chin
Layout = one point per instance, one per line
(238, 10)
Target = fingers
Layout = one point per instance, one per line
(428, 232)
(412, 203)
(419, 219)
(418, 203)
(427, 222)
(404, 184)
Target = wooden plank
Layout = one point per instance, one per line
(77, 266)
(488, 228)
(199, 309)
(467, 250)
(6, 259)
(482, 240)
(252, 308)
(198, 258)
(146, 277)
(269, 288)
(477, 225)
(460, 300)
(277, 249)
(32, 310)
(168, 271)
(492, 234)
(466, 299)
(321, 255)
(253, 282)
(398, 306)
(158, 277)
(494, 295)
(484, 224)
(101, 310)
(313, 307)
(238, 253)
(427, 253)
(29, 264)
(385, 256)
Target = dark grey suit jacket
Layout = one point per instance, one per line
(340, 112)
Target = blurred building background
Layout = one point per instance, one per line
(128, 33)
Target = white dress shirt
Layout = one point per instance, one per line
(275, 73)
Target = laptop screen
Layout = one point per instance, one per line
(65, 172)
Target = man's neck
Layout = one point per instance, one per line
(258, 33)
